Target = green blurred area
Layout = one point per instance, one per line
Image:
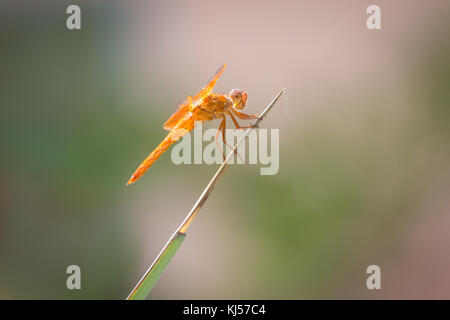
(71, 135)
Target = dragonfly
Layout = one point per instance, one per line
(204, 106)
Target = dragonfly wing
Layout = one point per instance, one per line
(186, 106)
(209, 87)
(184, 126)
(183, 108)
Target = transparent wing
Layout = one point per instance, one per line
(186, 106)
(183, 109)
(209, 87)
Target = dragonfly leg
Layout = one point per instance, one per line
(242, 115)
(237, 124)
(222, 128)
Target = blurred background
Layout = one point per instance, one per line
(364, 149)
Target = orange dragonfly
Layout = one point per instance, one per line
(204, 106)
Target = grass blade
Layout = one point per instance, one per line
(147, 282)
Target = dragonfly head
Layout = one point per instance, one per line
(239, 98)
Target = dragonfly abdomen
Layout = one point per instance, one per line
(176, 133)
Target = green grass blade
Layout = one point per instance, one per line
(147, 282)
